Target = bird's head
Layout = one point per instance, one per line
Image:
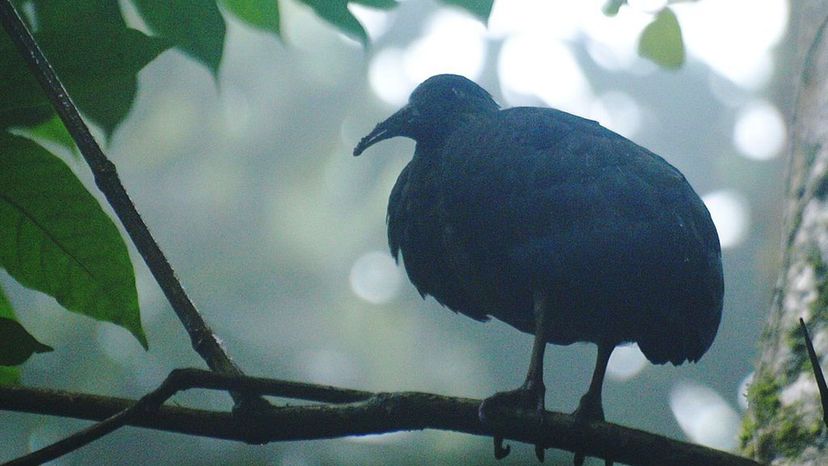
(436, 107)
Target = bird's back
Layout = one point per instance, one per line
(527, 199)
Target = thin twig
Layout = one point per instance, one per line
(197, 378)
(149, 403)
(376, 413)
(202, 337)
(817, 368)
(184, 379)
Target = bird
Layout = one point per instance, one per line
(555, 225)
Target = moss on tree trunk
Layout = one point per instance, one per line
(784, 421)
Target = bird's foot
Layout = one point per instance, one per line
(589, 409)
(530, 396)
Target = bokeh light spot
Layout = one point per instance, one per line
(389, 82)
(650, 6)
(557, 79)
(704, 415)
(730, 214)
(453, 42)
(375, 21)
(743, 57)
(760, 131)
(626, 362)
(509, 17)
(618, 112)
(328, 366)
(612, 42)
(375, 277)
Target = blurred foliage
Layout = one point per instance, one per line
(261, 14)
(612, 7)
(336, 12)
(52, 130)
(79, 58)
(661, 41)
(16, 344)
(194, 26)
(479, 8)
(8, 375)
(98, 57)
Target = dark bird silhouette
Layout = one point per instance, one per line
(555, 225)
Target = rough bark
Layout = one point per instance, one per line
(784, 422)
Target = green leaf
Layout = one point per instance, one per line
(98, 71)
(82, 16)
(52, 130)
(378, 4)
(479, 8)
(55, 238)
(336, 12)
(5, 306)
(8, 375)
(612, 6)
(24, 116)
(262, 14)
(661, 41)
(194, 26)
(16, 344)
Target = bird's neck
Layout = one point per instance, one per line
(432, 139)
(428, 153)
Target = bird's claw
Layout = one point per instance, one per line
(540, 407)
(501, 451)
(526, 397)
(589, 409)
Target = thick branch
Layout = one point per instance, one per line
(203, 339)
(376, 413)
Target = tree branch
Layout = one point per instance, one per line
(202, 337)
(361, 413)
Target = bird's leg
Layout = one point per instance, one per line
(531, 394)
(591, 407)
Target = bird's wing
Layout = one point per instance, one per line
(532, 173)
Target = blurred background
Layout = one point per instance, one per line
(248, 184)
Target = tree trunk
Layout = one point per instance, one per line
(784, 422)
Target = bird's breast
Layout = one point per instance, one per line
(418, 230)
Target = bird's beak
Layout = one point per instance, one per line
(395, 125)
